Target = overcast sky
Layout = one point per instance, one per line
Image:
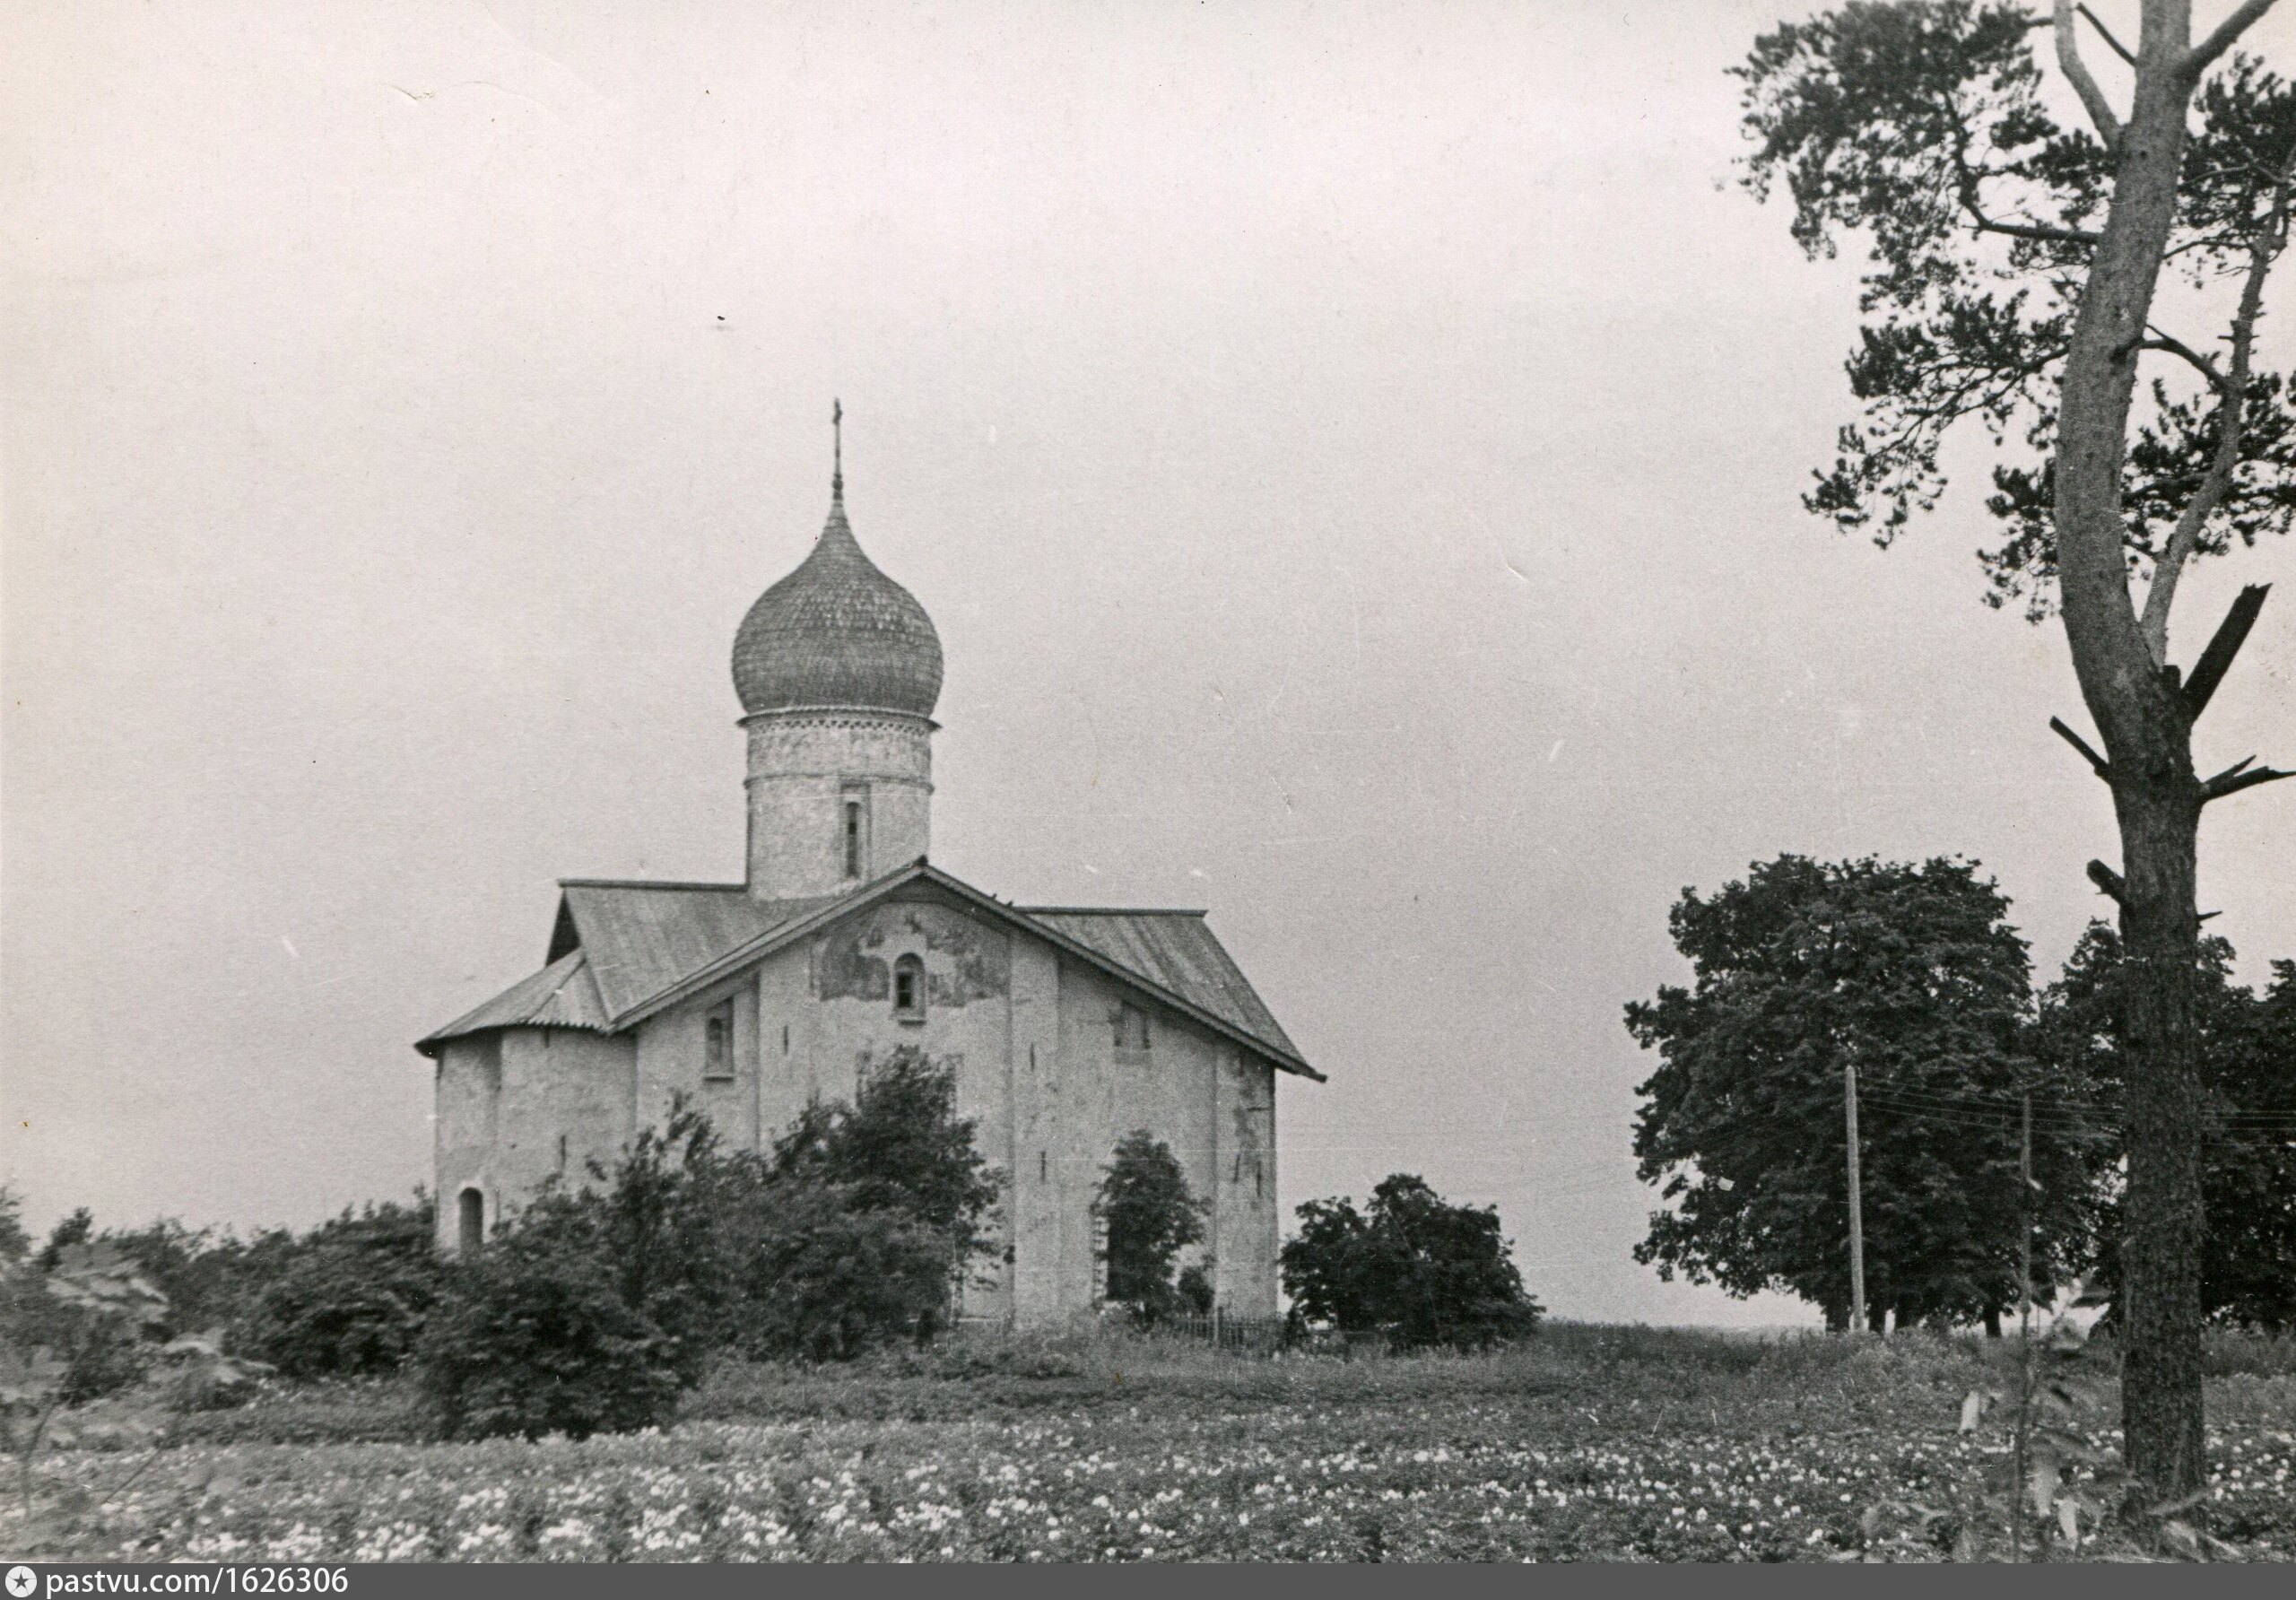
(1351, 454)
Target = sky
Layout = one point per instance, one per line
(1351, 454)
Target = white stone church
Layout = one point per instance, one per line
(1068, 1027)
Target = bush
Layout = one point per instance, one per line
(900, 1147)
(1150, 1217)
(824, 1279)
(533, 1342)
(344, 1300)
(339, 1314)
(659, 1217)
(854, 1230)
(1415, 1267)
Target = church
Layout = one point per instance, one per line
(1067, 1027)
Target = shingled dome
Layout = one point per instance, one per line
(838, 633)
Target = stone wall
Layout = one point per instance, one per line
(804, 767)
(518, 1106)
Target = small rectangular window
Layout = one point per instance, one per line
(908, 987)
(1131, 1030)
(717, 1043)
(853, 839)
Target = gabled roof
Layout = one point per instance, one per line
(1180, 951)
(641, 948)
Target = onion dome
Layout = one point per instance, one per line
(838, 633)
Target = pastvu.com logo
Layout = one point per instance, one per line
(21, 1581)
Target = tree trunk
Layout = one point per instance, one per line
(1993, 1322)
(2147, 732)
(2162, 1215)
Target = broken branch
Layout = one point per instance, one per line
(2107, 881)
(2177, 347)
(2216, 660)
(2217, 788)
(2103, 768)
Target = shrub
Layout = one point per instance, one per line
(1415, 1266)
(531, 1342)
(1150, 1217)
(900, 1147)
(340, 1314)
(660, 1218)
(346, 1300)
(894, 1181)
(823, 1278)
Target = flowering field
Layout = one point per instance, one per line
(1536, 1457)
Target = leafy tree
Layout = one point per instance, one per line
(1914, 975)
(901, 1146)
(2248, 1269)
(901, 1152)
(2013, 269)
(822, 1277)
(1425, 1271)
(1151, 1218)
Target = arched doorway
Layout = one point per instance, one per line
(471, 1220)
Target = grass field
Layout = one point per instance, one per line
(1589, 1443)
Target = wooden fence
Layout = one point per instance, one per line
(1255, 1336)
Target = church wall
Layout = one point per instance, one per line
(1169, 1091)
(670, 1052)
(1247, 1230)
(468, 1101)
(1032, 1034)
(507, 1100)
(1046, 1286)
(787, 1028)
(966, 1022)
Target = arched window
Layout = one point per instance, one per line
(717, 1043)
(470, 1222)
(908, 987)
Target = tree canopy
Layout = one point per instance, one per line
(1413, 1266)
(1914, 974)
(2247, 1273)
(1922, 131)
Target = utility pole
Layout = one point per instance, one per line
(1857, 1205)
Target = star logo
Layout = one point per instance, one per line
(21, 1581)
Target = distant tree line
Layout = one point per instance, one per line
(1913, 976)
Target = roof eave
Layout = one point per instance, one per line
(922, 871)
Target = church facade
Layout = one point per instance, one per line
(1066, 1028)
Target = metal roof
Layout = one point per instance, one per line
(562, 994)
(1179, 951)
(622, 950)
(642, 938)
